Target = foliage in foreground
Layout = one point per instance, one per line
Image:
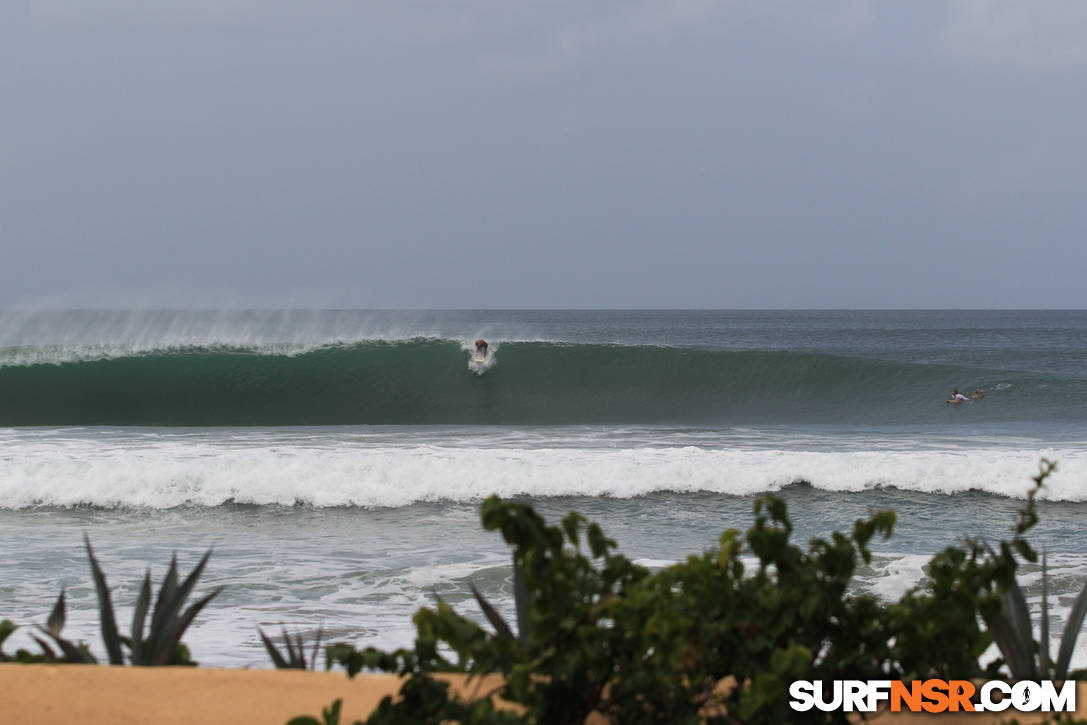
(293, 656)
(160, 644)
(717, 638)
(1013, 632)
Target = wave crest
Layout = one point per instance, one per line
(425, 381)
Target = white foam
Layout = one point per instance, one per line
(479, 367)
(44, 337)
(163, 471)
(63, 354)
(893, 575)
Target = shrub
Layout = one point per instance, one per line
(161, 643)
(295, 656)
(712, 638)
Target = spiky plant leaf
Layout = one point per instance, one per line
(1015, 605)
(492, 615)
(317, 645)
(292, 655)
(295, 658)
(55, 623)
(105, 609)
(139, 614)
(522, 600)
(273, 652)
(72, 652)
(1011, 647)
(166, 629)
(165, 596)
(181, 593)
(6, 628)
(45, 647)
(1044, 668)
(1071, 632)
(164, 642)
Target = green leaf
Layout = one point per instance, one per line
(55, 623)
(139, 614)
(105, 609)
(1009, 643)
(492, 615)
(273, 652)
(1044, 669)
(1019, 612)
(165, 597)
(1071, 632)
(165, 641)
(292, 655)
(6, 628)
(182, 593)
(523, 601)
(45, 647)
(332, 713)
(316, 646)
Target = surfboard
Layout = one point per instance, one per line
(479, 358)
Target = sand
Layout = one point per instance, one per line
(99, 695)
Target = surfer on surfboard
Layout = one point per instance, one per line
(481, 360)
(957, 397)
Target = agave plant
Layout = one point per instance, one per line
(162, 643)
(69, 651)
(295, 658)
(522, 602)
(77, 653)
(6, 628)
(1013, 633)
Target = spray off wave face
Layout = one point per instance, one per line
(424, 381)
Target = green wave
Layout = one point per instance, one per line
(428, 382)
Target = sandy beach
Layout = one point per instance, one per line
(98, 695)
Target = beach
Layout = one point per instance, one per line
(58, 695)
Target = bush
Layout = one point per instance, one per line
(708, 639)
(160, 644)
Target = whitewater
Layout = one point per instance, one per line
(335, 460)
(164, 468)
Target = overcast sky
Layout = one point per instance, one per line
(532, 153)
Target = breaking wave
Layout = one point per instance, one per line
(426, 381)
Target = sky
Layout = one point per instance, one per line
(543, 154)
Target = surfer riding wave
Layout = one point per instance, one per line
(481, 360)
(957, 397)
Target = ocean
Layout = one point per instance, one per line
(335, 460)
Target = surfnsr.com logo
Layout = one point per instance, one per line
(932, 696)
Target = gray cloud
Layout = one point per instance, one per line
(552, 154)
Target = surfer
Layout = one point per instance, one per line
(957, 397)
(481, 347)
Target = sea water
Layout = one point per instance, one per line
(335, 460)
